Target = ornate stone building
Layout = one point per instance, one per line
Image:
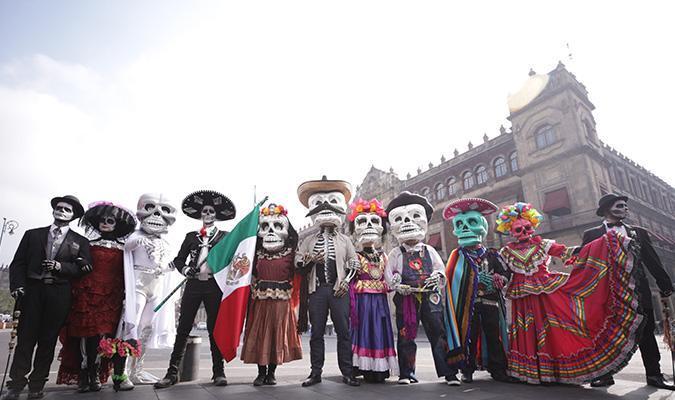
(552, 158)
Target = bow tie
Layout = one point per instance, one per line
(614, 225)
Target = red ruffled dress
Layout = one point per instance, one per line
(96, 308)
(571, 328)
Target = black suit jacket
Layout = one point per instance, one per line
(27, 262)
(191, 247)
(648, 260)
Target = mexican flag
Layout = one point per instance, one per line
(237, 248)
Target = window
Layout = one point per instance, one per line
(514, 161)
(425, 193)
(468, 180)
(452, 187)
(500, 167)
(440, 192)
(545, 136)
(588, 129)
(620, 181)
(481, 175)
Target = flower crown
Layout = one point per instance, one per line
(511, 213)
(274, 209)
(361, 206)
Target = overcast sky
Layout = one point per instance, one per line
(110, 99)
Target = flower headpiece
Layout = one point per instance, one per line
(509, 214)
(361, 206)
(274, 209)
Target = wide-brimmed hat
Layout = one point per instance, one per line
(194, 202)
(78, 210)
(323, 185)
(406, 198)
(607, 201)
(485, 207)
(125, 219)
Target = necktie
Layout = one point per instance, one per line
(56, 234)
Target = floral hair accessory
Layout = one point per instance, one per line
(361, 206)
(274, 209)
(511, 213)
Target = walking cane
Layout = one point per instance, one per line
(16, 314)
(668, 331)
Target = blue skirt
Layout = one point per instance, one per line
(373, 343)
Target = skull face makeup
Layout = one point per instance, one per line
(522, 229)
(470, 228)
(107, 224)
(619, 210)
(368, 229)
(409, 223)
(327, 209)
(273, 230)
(208, 215)
(155, 213)
(63, 212)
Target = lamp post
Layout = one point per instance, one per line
(9, 226)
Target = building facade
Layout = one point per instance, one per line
(551, 157)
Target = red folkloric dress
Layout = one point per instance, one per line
(96, 308)
(571, 328)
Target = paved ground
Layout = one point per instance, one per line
(630, 383)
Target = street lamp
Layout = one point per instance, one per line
(8, 226)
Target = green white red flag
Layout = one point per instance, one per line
(231, 261)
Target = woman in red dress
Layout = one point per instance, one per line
(97, 299)
(567, 328)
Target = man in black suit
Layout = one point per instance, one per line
(614, 209)
(209, 206)
(39, 279)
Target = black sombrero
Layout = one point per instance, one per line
(194, 202)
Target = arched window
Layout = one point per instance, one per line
(514, 161)
(544, 137)
(481, 175)
(452, 187)
(440, 192)
(588, 129)
(425, 193)
(468, 180)
(500, 167)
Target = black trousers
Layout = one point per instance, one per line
(649, 349)
(486, 318)
(44, 309)
(431, 316)
(321, 302)
(197, 292)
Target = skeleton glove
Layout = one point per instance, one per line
(18, 292)
(434, 280)
(342, 289)
(400, 288)
(85, 267)
(189, 271)
(51, 265)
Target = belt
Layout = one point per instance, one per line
(487, 302)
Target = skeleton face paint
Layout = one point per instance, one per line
(208, 215)
(470, 228)
(522, 229)
(368, 230)
(619, 210)
(155, 213)
(63, 212)
(328, 217)
(273, 230)
(409, 223)
(107, 224)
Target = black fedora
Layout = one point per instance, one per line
(78, 210)
(607, 201)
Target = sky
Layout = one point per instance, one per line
(107, 99)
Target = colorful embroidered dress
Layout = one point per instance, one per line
(372, 338)
(571, 328)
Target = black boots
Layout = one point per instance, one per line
(265, 375)
(270, 379)
(170, 379)
(83, 381)
(262, 375)
(94, 381)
